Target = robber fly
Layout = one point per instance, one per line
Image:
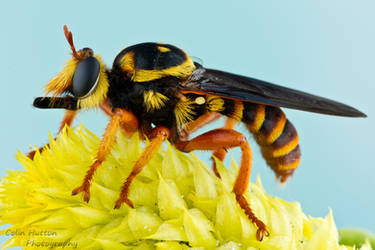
(158, 90)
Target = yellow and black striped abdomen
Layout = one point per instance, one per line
(275, 134)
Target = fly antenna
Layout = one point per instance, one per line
(69, 38)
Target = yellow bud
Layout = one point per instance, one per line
(179, 203)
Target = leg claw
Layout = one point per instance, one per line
(120, 201)
(86, 192)
(261, 232)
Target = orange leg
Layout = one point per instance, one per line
(189, 128)
(197, 124)
(225, 139)
(157, 135)
(108, 110)
(230, 123)
(67, 120)
(109, 138)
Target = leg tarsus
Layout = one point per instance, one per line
(85, 187)
(86, 192)
(125, 192)
(125, 200)
(262, 228)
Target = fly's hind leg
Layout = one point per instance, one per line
(218, 139)
(200, 122)
(192, 126)
(230, 123)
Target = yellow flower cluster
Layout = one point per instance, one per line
(179, 204)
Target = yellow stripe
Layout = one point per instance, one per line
(163, 49)
(127, 63)
(215, 104)
(238, 111)
(286, 148)
(277, 130)
(182, 71)
(258, 119)
(292, 165)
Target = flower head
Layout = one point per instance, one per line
(179, 203)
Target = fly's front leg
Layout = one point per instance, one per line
(218, 139)
(120, 116)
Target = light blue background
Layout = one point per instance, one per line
(323, 47)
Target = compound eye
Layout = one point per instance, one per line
(85, 77)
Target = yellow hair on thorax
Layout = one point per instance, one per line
(215, 104)
(184, 112)
(154, 100)
(100, 92)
